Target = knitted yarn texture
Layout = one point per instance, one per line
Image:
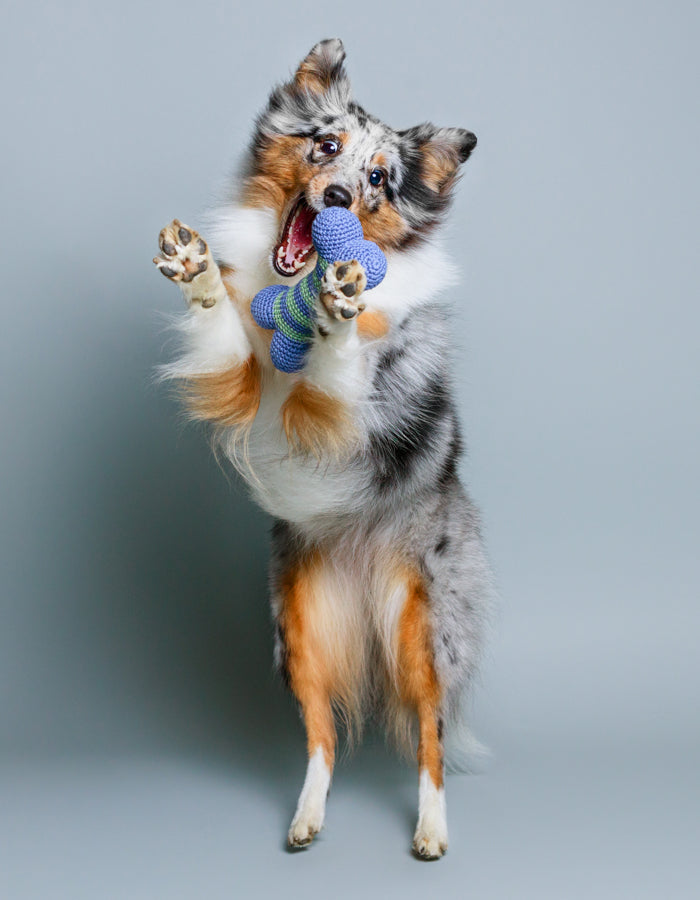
(337, 236)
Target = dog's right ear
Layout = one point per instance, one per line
(323, 68)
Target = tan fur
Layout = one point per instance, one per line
(418, 682)
(312, 75)
(372, 325)
(230, 397)
(341, 136)
(379, 159)
(383, 224)
(334, 644)
(281, 174)
(439, 167)
(317, 423)
(325, 651)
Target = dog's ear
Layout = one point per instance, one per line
(442, 151)
(323, 68)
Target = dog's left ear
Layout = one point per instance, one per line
(442, 151)
(323, 68)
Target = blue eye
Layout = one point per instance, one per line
(377, 177)
(329, 147)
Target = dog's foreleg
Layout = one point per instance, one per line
(334, 363)
(217, 368)
(318, 413)
(213, 332)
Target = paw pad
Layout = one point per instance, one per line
(184, 254)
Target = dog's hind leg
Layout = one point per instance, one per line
(420, 689)
(311, 806)
(305, 666)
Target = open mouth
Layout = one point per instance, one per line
(295, 245)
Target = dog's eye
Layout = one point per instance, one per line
(377, 177)
(329, 146)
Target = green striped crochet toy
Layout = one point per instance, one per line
(337, 236)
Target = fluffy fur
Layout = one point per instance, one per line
(378, 578)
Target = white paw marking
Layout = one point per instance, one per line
(311, 808)
(430, 839)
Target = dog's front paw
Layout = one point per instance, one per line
(341, 290)
(185, 257)
(184, 253)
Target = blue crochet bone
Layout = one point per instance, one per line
(337, 236)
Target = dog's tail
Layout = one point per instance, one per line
(464, 754)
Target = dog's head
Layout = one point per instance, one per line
(314, 146)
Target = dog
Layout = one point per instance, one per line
(380, 587)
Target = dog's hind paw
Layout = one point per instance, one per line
(429, 844)
(303, 830)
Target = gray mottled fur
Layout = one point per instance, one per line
(407, 497)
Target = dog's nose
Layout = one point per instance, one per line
(335, 195)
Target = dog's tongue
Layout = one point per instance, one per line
(296, 244)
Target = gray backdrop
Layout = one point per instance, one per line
(146, 750)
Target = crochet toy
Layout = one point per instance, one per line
(337, 236)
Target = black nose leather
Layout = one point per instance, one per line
(335, 195)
